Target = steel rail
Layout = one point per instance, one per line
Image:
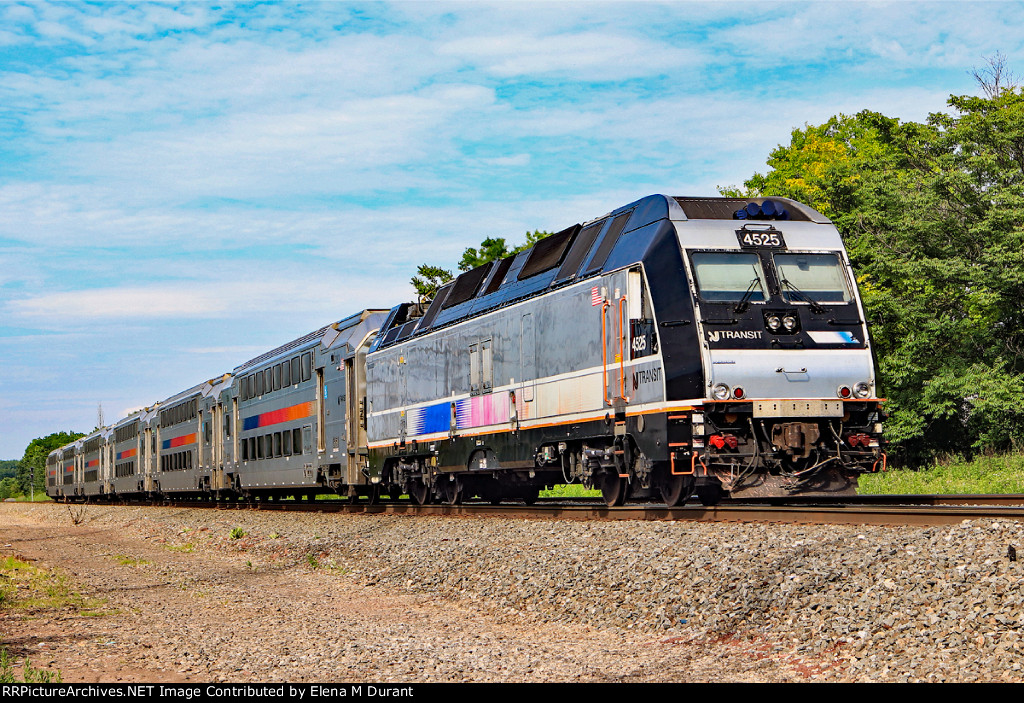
(893, 511)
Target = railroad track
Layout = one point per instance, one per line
(908, 510)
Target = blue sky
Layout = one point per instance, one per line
(185, 185)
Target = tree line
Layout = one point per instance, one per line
(18, 477)
(932, 214)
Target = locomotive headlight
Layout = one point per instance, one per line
(862, 389)
(789, 322)
(720, 392)
(774, 323)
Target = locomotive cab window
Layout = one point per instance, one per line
(729, 277)
(819, 277)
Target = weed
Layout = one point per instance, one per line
(330, 565)
(26, 586)
(274, 535)
(982, 475)
(186, 548)
(237, 533)
(77, 514)
(124, 560)
(28, 673)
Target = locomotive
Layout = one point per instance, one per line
(675, 346)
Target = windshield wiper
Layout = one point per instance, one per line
(815, 305)
(745, 300)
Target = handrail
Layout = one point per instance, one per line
(604, 350)
(622, 350)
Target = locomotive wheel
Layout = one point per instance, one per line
(451, 492)
(419, 492)
(676, 490)
(373, 495)
(613, 490)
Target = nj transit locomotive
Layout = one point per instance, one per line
(674, 346)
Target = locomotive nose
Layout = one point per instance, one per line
(805, 373)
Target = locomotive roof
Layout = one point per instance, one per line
(577, 252)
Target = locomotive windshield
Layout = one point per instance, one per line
(729, 276)
(818, 277)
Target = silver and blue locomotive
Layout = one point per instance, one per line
(674, 346)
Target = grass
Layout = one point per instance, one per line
(125, 560)
(40, 497)
(572, 490)
(186, 548)
(997, 474)
(28, 588)
(29, 674)
(23, 586)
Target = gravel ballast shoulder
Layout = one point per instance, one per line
(352, 597)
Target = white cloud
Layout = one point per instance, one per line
(513, 160)
(203, 299)
(587, 55)
(117, 303)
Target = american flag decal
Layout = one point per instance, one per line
(595, 296)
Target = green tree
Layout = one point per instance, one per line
(8, 467)
(490, 250)
(9, 488)
(33, 464)
(932, 216)
(430, 278)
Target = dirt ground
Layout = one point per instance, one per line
(159, 612)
